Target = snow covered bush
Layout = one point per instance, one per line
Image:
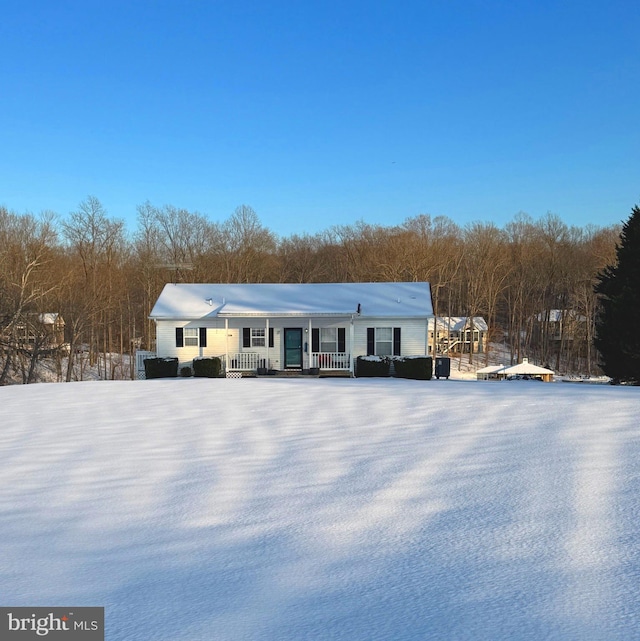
(417, 367)
(372, 366)
(207, 367)
(160, 367)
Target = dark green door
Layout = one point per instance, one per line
(293, 347)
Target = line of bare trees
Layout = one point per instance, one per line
(103, 281)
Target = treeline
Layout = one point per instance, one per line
(103, 281)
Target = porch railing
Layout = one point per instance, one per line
(140, 357)
(245, 361)
(330, 360)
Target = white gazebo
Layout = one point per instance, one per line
(523, 370)
(527, 369)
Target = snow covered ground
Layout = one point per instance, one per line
(315, 509)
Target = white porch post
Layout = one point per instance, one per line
(351, 342)
(226, 344)
(309, 344)
(266, 338)
(426, 340)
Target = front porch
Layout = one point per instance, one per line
(257, 364)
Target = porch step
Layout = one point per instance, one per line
(293, 373)
(324, 373)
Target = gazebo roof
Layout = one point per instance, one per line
(491, 369)
(525, 368)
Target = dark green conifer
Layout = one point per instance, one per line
(618, 323)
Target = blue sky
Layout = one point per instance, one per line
(323, 113)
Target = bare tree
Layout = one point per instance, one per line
(300, 259)
(26, 246)
(250, 248)
(98, 243)
(485, 269)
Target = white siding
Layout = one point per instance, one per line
(166, 340)
(220, 342)
(218, 339)
(413, 335)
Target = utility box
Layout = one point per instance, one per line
(443, 366)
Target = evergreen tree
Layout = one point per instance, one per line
(617, 332)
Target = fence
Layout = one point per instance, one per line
(140, 356)
(330, 360)
(245, 361)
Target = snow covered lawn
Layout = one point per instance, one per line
(305, 509)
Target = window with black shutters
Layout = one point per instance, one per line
(256, 337)
(383, 341)
(191, 336)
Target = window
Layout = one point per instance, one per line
(191, 337)
(384, 341)
(257, 337)
(329, 339)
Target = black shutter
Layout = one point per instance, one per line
(371, 341)
(203, 337)
(342, 342)
(179, 337)
(315, 339)
(246, 337)
(271, 343)
(396, 341)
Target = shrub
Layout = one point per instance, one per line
(417, 367)
(160, 367)
(207, 367)
(372, 366)
(185, 371)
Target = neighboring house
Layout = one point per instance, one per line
(292, 326)
(44, 330)
(559, 325)
(458, 334)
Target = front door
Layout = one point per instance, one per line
(293, 347)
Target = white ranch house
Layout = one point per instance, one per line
(291, 327)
